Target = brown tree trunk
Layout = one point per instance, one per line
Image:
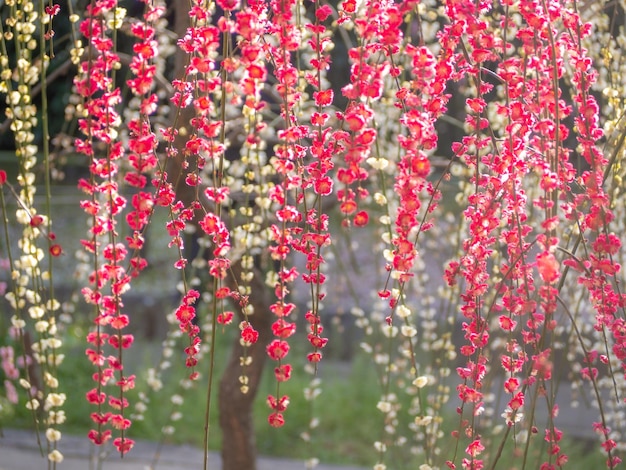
(235, 407)
(176, 166)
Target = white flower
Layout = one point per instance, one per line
(511, 417)
(56, 417)
(32, 404)
(117, 19)
(17, 323)
(378, 163)
(53, 435)
(380, 199)
(51, 381)
(36, 312)
(408, 331)
(177, 400)
(421, 381)
(389, 331)
(55, 400)
(403, 311)
(384, 406)
(55, 456)
(423, 420)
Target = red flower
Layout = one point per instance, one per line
(323, 13)
(95, 357)
(323, 97)
(119, 422)
(361, 219)
(120, 322)
(276, 420)
(507, 323)
(36, 220)
(283, 372)
(56, 250)
(222, 293)
(101, 418)
(475, 448)
(511, 384)
(127, 341)
(517, 401)
(123, 445)
(99, 438)
(225, 318)
(314, 357)
(548, 267)
(228, 4)
(118, 404)
(323, 186)
(348, 207)
(249, 335)
(283, 329)
(349, 6)
(52, 10)
(97, 339)
(126, 383)
(95, 397)
(185, 313)
(317, 341)
(278, 405)
(277, 349)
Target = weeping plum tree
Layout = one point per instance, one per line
(497, 223)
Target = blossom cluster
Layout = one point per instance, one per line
(261, 151)
(32, 353)
(109, 279)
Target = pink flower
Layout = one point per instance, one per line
(323, 12)
(278, 349)
(283, 372)
(11, 392)
(123, 445)
(225, 318)
(548, 267)
(119, 422)
(276, 420)
(99, 438)
(52, 10)
(249, 335)
(361, 219)
(228, 4)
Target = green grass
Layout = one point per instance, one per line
(343, 435)
(348, 420)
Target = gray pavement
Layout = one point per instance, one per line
(19, 451)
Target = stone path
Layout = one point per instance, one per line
(18, 451)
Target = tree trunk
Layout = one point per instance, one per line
(176, 166)
(235, 407)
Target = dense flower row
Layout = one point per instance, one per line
(32, 352)
(110, 279)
